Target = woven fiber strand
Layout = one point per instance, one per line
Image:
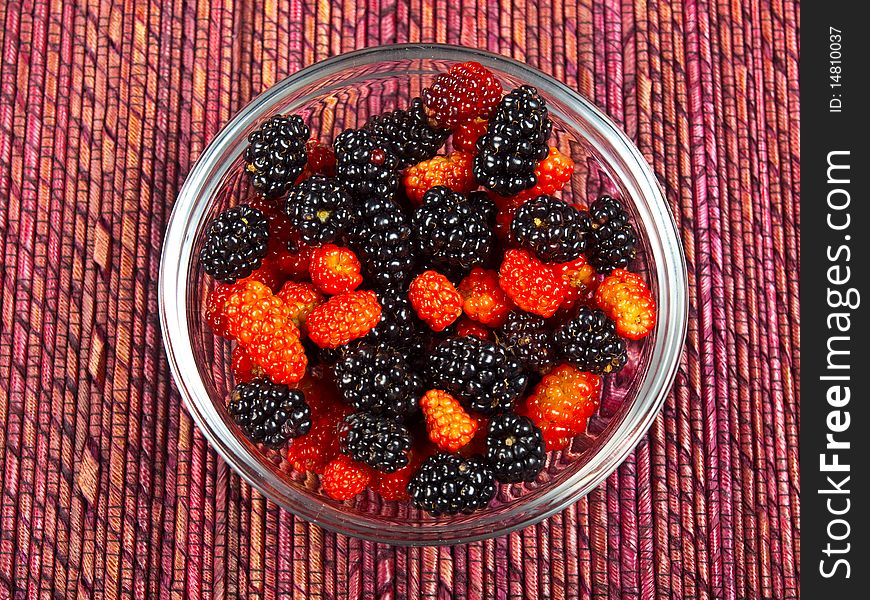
(107, 490)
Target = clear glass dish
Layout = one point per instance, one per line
(342, 92)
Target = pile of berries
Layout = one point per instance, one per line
(414, 308)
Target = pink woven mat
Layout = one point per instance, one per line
(107, 490)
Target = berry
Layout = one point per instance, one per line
(269, 413)
(239, 301)
(344, 478)
(343, 318)
(378, 379)
(613, 243)
(364, 165)
(407, 134)
(448, 484)
(564, 400)
(552, 174)
(466, 91)
(466, 135)
(533, 286)
(452, 171)
(435, 300)
(394, 486)
(235, 244)
(484, 205)
(319, 208)
(243, 368)
(263, 317)
(449, 426)
(483, 299)
(478, 373)
(281, 355)
(625, 298)
(275, 155)
(579, 275)
(399, 325)
(294, 264)
(514, 143)
(319, 446)
(590, 343)
(334, 270)
(465, 327)
(554, 230)
(525, 337)
(375, 441)
(300, 299)
(449, 232)
(214, 309)
(382, 241)
(321, 158)
(515, 449)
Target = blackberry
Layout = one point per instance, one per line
(364, 165)
(515, 448)
(514, 143)
(276, 154)
(399, 324)
(483, 204)
(590, 343)
(449, 231)
(449, 484)
(525, 337)
(269, 413)
(376, 441)
(235, 244)
(320, 209)
(381, 239)
(478, 373)
(407, 134)
(613, 242)
(378, 380)
(554, 230)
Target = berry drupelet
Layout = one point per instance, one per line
(514, 448)
(276, 154)
(375, 441)
(554, 230)
(613, 242)
(449, 231)
(449, 484)
(319, 208)
(378, 379)
(269, 413)
(514, 143)
(382, 241)
(526, 337)
(408, 134)
(235, 244)
(478, 373)
(589, 342)
(364, 165)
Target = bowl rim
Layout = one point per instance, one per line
(668, 261)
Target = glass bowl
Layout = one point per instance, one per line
(342, 92)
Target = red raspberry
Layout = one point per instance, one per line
(245, 294)
(452, 171)
(394, 486)
(281, 354)
(466, 91)
(483, 299)
(264, 317)
(343, 318)
(344, 478)
(300, 299)
(244, 369)
(435, 300)
(334, 269)
(553, 173)
(215, 314)
(581, 280)
(563, 401)
(626, 299)
(466, 135)
(449, 426)
(534, 286)
(465, 327)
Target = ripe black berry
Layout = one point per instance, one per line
(319, 208)
(376, 441)
(235, 244)
(526, 337)
(590, 343)
(269, 413)
(449, 231)
(378, 379)
(448, 484)
(381, 239)
(613, 242)
(364, 165)
(514, 448)
(554, 230)
(276, 154)
(407, 134)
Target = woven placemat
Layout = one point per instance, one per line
(107, 490)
